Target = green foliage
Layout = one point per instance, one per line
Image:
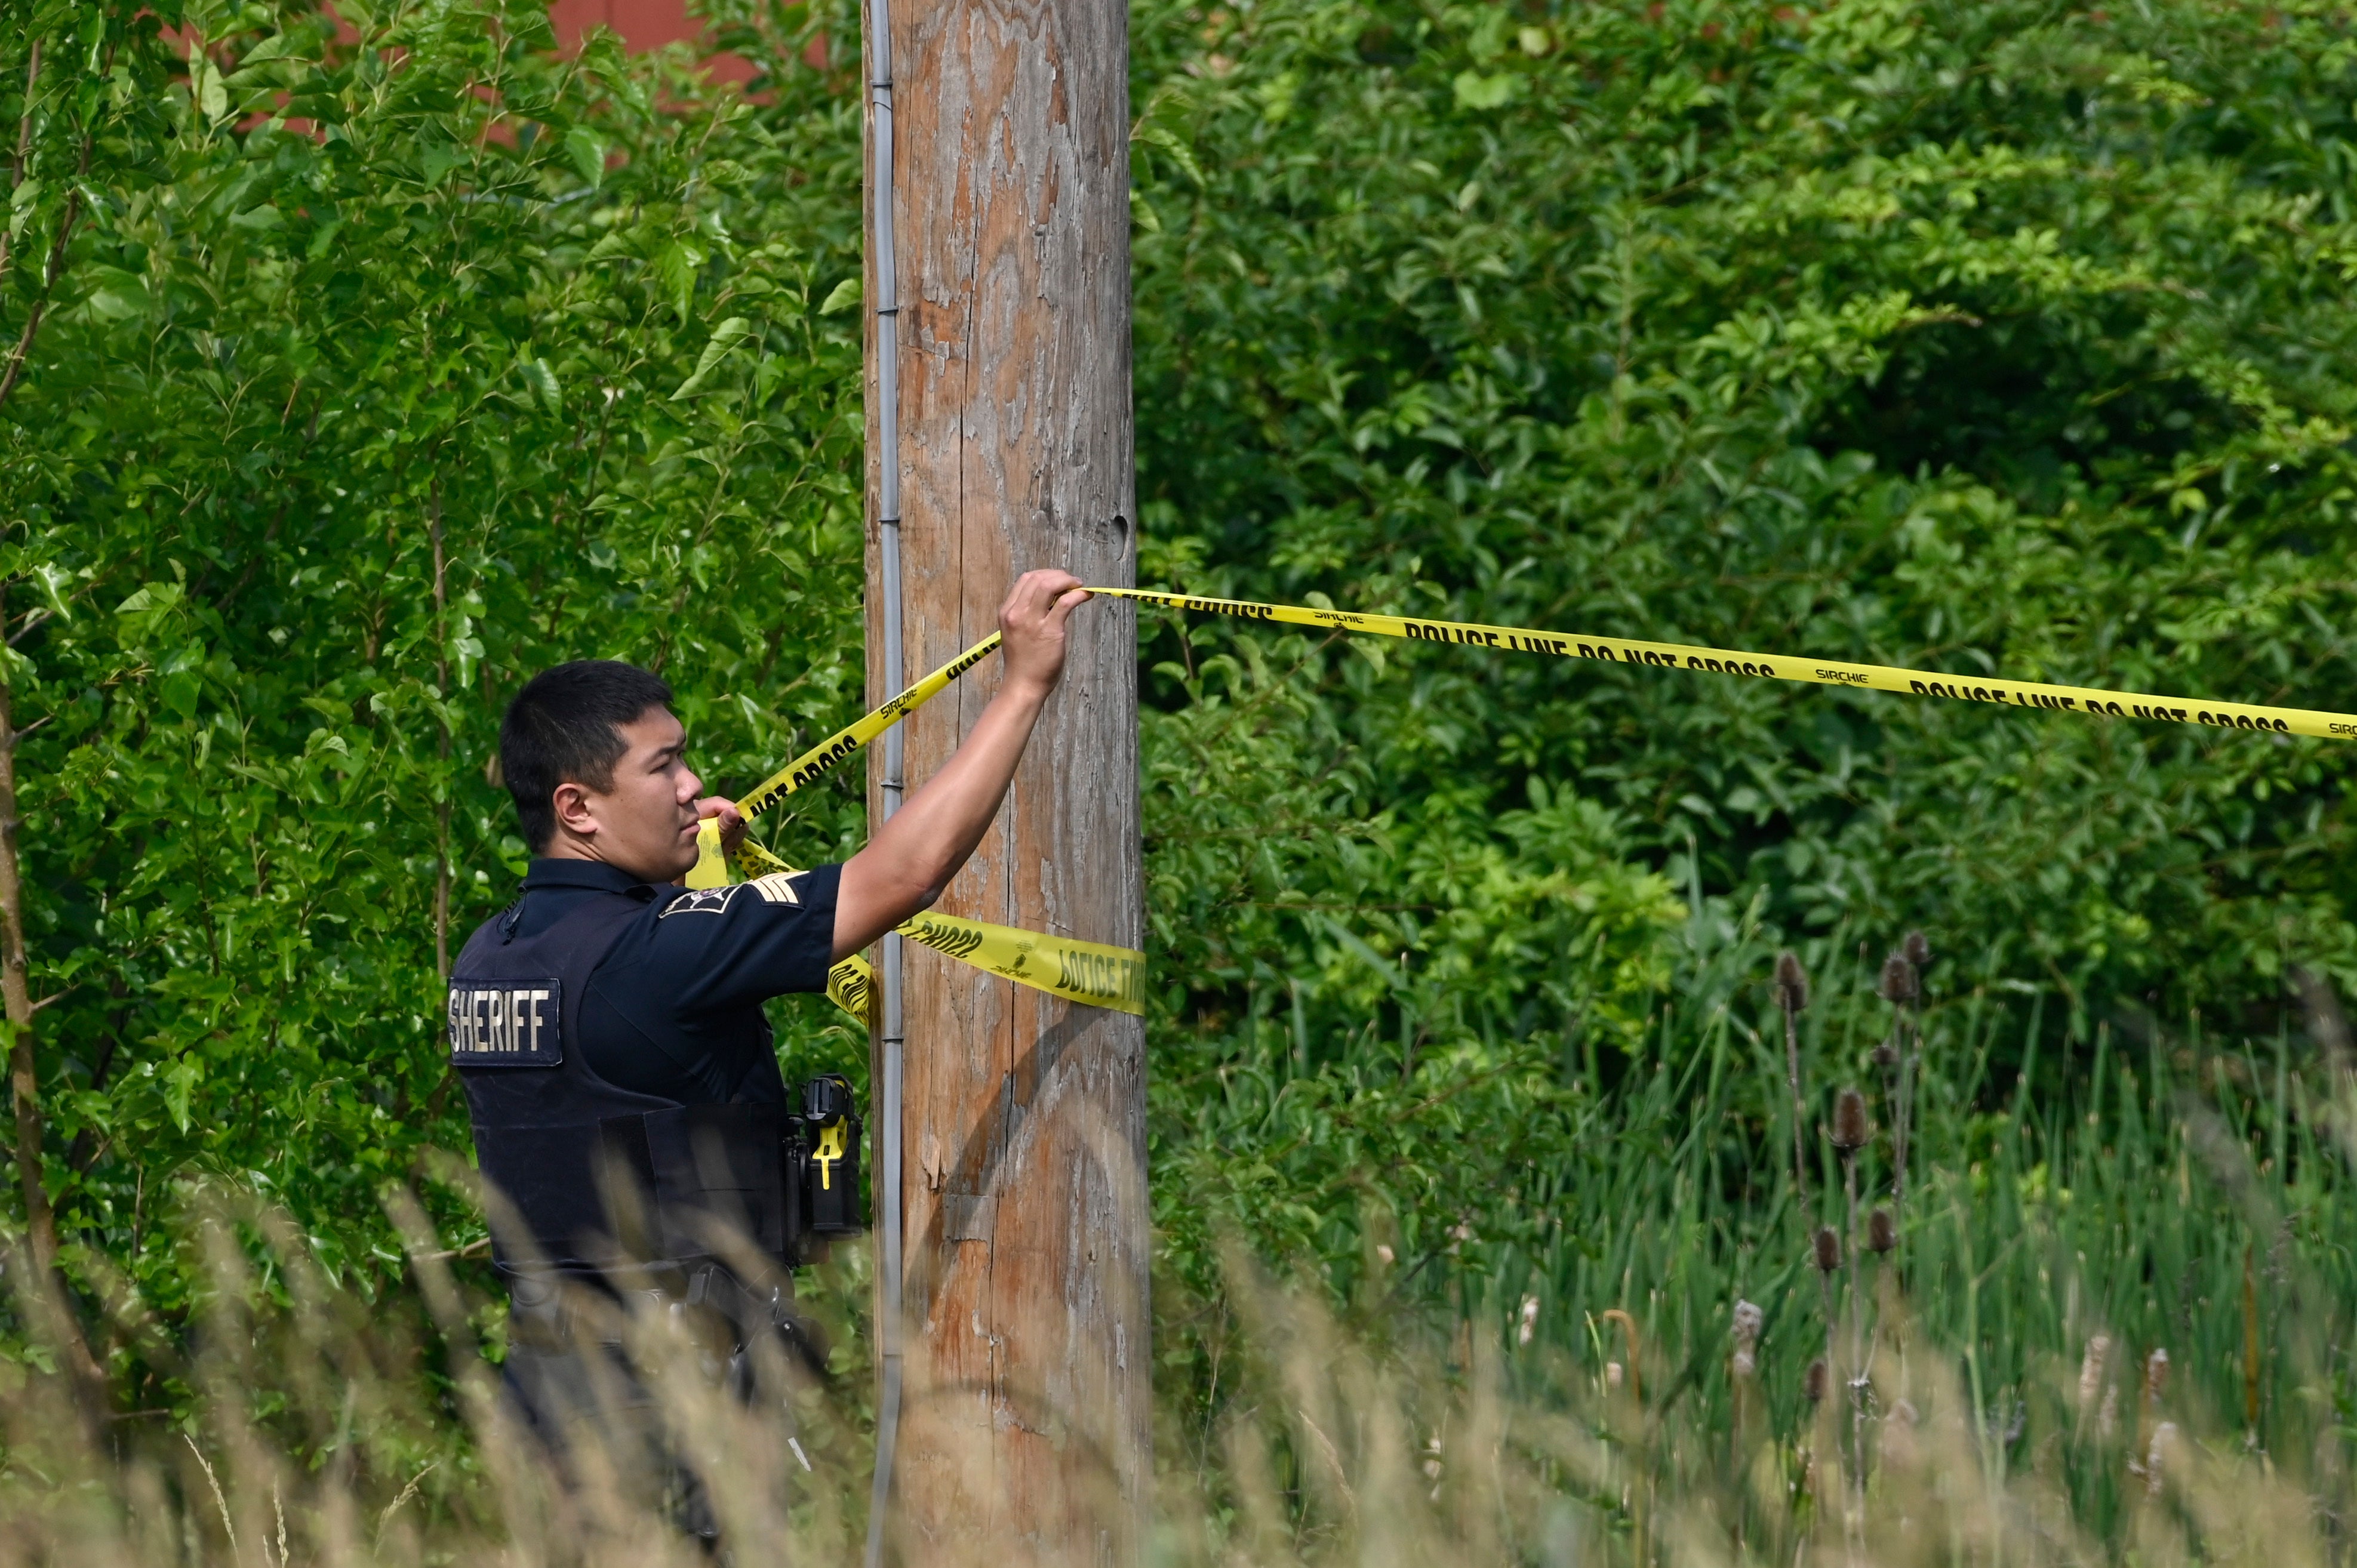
(1979, 337)
(379, 368)
(381, 371)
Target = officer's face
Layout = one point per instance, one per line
(646, 823)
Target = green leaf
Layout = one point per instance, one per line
(120, 295)
(678, 264)
(724, 337)
(844, 296)
(278, 45)
(437, 159)
(210, 92)
(1475, 90)
(543, 381)
(180, 1081)
(1170, 142)
(588, 154)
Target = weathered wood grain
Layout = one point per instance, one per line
(1026, 1416)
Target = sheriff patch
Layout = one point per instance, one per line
(702, 901)
(505, 1023)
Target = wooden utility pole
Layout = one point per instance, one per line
(1024, 1418)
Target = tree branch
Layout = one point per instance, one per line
(24, 146)
(46, 1287)
(32, 618)
(66, 225)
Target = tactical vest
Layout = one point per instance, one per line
(597, 1179)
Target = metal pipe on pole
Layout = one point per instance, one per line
(890, 1036)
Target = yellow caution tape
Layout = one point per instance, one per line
(1088, 973)
(711, 867)
(822, 758)
(1778, 667)
(850, 984)
(1115, 977)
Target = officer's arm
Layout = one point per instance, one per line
(904, 868)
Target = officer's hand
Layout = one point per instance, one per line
(1032, 621)
(732, 821)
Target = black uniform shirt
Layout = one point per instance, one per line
(675, 1008)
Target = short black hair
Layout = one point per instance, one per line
(565, 727)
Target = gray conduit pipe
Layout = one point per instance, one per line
(894, 678)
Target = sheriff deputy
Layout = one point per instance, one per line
(627, 1102)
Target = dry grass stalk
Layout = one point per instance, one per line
(1907, 1031)
(1793, 997)
(1331, 1453)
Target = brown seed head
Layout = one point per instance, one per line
(1916, 951)
(1791, 983)
(1827, 1249)
(1897, 980)
(1886, 1055)
(2156, 1375)
(1812, 1382)
(1849, 1122)
(1881, 1233)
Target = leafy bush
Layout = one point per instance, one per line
(380, 371)
(1974, 336)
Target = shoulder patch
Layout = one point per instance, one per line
(778, 887)
(702, 901)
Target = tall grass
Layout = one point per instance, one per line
(2111, 1326)
(2085, 1195)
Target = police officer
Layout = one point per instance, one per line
(628, 1112)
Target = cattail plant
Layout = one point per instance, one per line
(2093, 1366)
(1881, 1233)
(2148, 1405)
(2251, 1345)
(1748, 1321)
(1742, 1370)
(1743, 1362)
(1882, 1239)
(1640, 1498)
(1635, 1342)
(1825, 1252)
(1793, 996)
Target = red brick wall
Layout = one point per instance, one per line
(643, 24)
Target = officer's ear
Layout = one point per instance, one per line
(574, 813)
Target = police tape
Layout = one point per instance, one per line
(1088, 973)
(850, 984)
(820, 759)
(1823, 671)
(1102, 976)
